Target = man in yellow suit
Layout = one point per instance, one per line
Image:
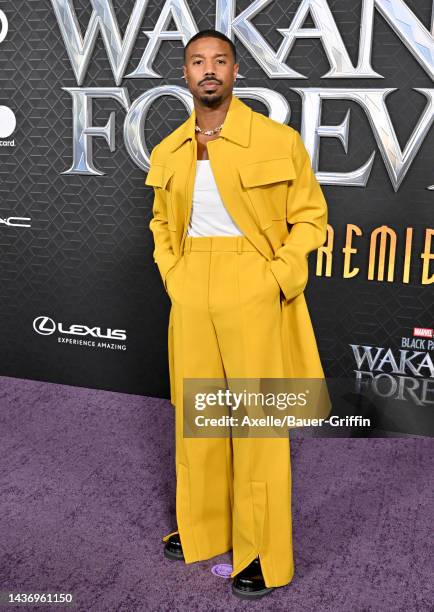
(237, 209)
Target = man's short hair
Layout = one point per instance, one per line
(213, 34)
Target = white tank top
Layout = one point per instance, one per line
(209, 216)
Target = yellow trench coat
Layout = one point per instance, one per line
(265, 178)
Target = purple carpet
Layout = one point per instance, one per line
(87, 489)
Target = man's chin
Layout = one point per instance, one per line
(211, 99)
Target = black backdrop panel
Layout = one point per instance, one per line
(86, 258)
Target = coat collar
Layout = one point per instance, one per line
(236, 126)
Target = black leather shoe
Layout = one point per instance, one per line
(173, 548)
(249, 583)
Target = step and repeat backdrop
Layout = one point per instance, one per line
(88, 87)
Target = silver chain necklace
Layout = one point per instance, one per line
(208, 132)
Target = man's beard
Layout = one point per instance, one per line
(211, 100)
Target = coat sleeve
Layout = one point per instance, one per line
(163, 253)
(306, 211)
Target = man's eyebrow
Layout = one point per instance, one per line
(200, 55)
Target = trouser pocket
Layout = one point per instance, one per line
(172, 278)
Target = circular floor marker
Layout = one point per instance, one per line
(223, 570)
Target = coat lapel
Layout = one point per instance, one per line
(236, 127)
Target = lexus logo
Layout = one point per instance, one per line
(44, 326)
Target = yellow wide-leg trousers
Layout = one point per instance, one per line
(231, 493)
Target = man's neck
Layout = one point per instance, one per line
(208, 118)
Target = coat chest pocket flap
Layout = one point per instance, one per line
(266, 185)
(159, 176)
